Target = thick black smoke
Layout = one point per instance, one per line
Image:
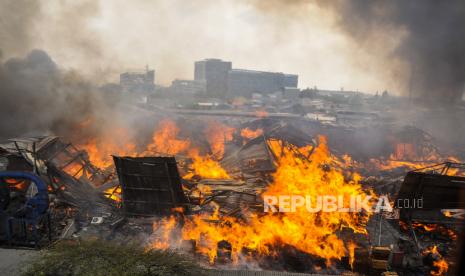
(38, 98)
(434, 45)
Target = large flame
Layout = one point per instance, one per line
(217, 134)
(314, 233)
(165, 140)
(100, 149)
(205, 167)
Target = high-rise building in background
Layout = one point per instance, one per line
(188, 87)
(214, 73)
(291, 80)
(222, 81)
(138, 81)
(244, 83)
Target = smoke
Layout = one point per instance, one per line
(62, 28)
(433, 46)
(407, 47)
(102, 38)
(401, 46)
(16, 21)
(40, 98)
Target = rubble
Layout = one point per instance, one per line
(145, 196)
(70, 178)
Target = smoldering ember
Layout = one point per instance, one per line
(234, 168)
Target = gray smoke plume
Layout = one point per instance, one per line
(38, 98)
(433, 46)
(16, 20)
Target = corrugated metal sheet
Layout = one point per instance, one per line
(150, 185)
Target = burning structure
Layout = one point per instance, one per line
(208, 198)
(240, 168)
(196, 181)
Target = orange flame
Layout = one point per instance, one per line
(113, 193)
(249, 134)
(217, 134)
(405, 155)
(74, 169)
(440, 265)
(351, 248)
(165, 139)
(205, 167)
(100, 149)
(19, 184)
(261, 113)
(314, 233)
(443, 230)
(164, 228)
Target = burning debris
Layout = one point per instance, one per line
(208, 198)
(69, 178)
(150, 185)
(240, 169)
(265, 234)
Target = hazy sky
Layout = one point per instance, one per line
(103, 38)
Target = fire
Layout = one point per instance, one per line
(249, 134)
(100, 149)
(351, 247)
(165, 139)
(19, 184)
(445, 231)
(447, 214)
(405, 155)
(200, 192)
(217, 134)
(114, 193)
(404, 151)
(205, 167)
(314, 233)
(74, 169)
(261, 113)
(425, 227)
(440, 265)
(164, 228)
(391, 164)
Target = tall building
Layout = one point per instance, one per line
(138, 81)
(188, 87)
(221, 81)
(243, 83)
(291, 80)
(214, 73)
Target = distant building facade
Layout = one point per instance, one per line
(188, 87)
(291, 93)
(222, 81)
(291, 80)
(244, 83)
(214, 73)
(138, 81)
